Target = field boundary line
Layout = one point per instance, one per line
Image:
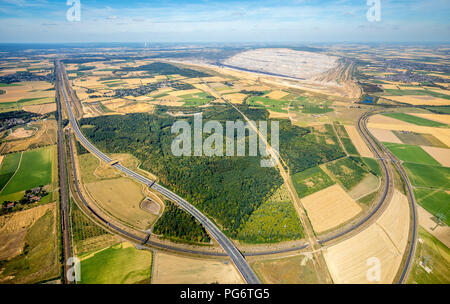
(18, 166)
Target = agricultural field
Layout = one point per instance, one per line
(415, 120)
(297, 269)
(118, 264)
(330, 208)
(348, 171)
(383, 135)
(274, 105)
(25, 94)
(358, 142)
(30, 240)
(432, 261)
(440, 154)
(8, 167)
(411, 154)
(175, 269)
(386, 240)
(35, 169)
(428, 176)
(310, 181)
(417, 139)
(436, 202)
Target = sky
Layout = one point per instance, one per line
(230, 21)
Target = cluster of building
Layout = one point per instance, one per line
(30, 196)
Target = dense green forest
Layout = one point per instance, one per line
(228, 189)
(178, 225)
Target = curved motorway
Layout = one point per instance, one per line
(235, 255)
(231, 250)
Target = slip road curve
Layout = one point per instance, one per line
(362, 126)
(231, 250)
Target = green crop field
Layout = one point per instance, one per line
(9, 85)
(348, 145)
(428, 176)
(435, 255)
(8, 106)
(272, 222)
(35, 170)
(441, 110)
(309, 108)
(348, 171)
(310, 181)
(415, 120)
(394, 92)
(197, 99)
(374, 165)
(8, 167)
(269, 103)
(436, 202)
(411, 154)
(118, 264)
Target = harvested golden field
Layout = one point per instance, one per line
(136, 107)
(297, 269)
(214, 79)
(381, 119)
(442, 155)
(277, 94)
(174, 269)
(442, 118)
(349, 261)
(45, 135)
(417, 100)
(278, 115)
(357, 140)
(235, 97)
(121, 198)
(27, 90)
(330, 208)
(442, 134)
(442, 233)
(385, 136)
(41, 109)
(13, 229)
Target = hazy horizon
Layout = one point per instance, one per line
(248, 21)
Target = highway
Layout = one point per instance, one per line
(388, 186)
(362, 126)
(63, 193)
(231, 250)
(224, 242)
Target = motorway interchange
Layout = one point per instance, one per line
(230, 249)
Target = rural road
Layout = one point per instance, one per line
(231, 250)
